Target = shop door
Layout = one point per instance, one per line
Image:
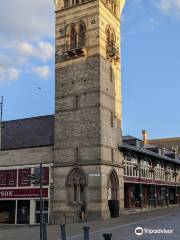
(23, 212)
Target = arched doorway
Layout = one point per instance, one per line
(113, 191)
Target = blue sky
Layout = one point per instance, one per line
(150, 63)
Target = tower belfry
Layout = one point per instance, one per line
(88, 165)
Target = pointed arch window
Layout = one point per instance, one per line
(76, 182)
(82, 35)
(111, 43)
(73, 37)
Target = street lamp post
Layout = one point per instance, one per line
(167, 187)
(155, 187)
(140, 185)
(36, 178)
(176, 189)
(41, 202)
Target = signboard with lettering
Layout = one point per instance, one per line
(149, 181)
(24, 177)
(8, 178)
(21, 180)
(22, 193)
(45, 175)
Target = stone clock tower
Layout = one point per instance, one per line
(88, 169)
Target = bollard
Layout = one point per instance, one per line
(107, 236)
(44, 231)
(63, 231)
(86, 233)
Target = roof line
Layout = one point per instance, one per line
(164, 139)
(21, 119)
(145, 151)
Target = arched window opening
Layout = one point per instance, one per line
(76, 182)
(110, 43)
(108, 34)
(82, 196)
(73, 38)
(75, 193)
(82, 35)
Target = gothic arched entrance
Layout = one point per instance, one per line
(113, 191)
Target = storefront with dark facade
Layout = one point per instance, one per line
(20, 193)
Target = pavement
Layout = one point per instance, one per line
(161, 224)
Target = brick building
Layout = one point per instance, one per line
(86, 161)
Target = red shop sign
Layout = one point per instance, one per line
(24, 177)
(22, 193)
(8, 178)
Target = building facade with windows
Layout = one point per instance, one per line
(86, 161)
(151, 175)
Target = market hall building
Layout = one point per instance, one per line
(86, 161)
(24, 145)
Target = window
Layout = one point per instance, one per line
(75, 193)
(82, 198)
(76, 183)
(73, 38)
(81, 35)
(76, 38)
(110, 42)
(78, 193)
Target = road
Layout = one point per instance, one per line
(123, 228)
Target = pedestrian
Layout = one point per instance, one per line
(83, 212)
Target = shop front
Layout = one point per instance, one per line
(20, 198)
(149, 193)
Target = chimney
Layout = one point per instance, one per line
(145, 136)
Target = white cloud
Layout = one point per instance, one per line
(42, 50)
(42, 71)
(9, 74)
(27, 19)
(13, 73)
(168, 7)
(24, 26)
